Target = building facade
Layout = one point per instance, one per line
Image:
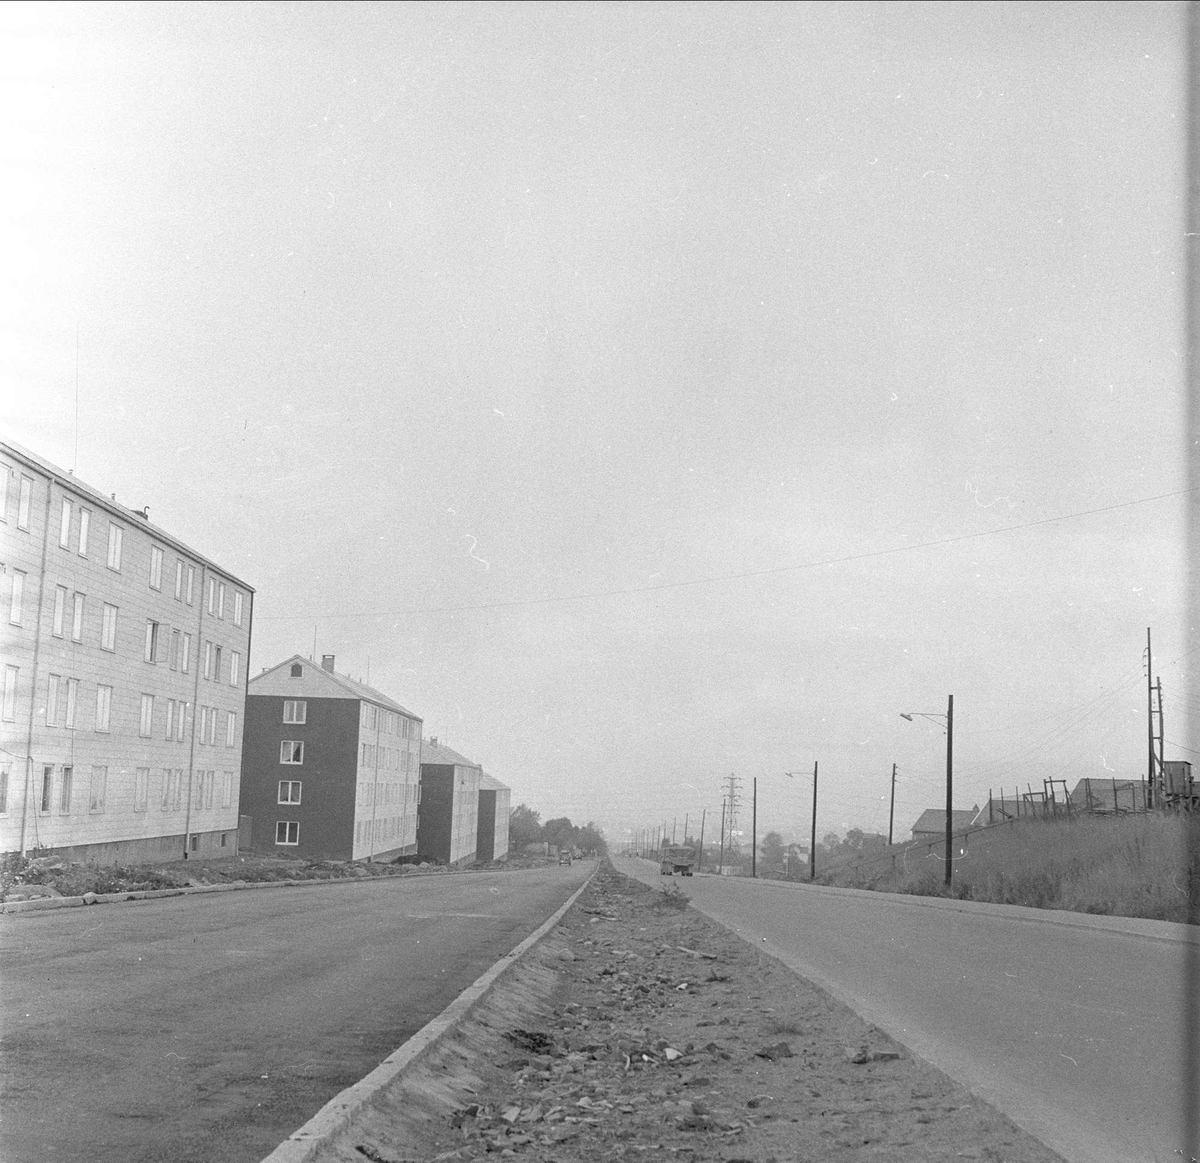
(491, 836)
(124, 656)
(448, 824)
(331, 766)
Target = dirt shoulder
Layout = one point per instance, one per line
(639, 1025)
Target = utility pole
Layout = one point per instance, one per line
(812, 851)
(721, 856)
(700, 858)
(892, 809)
(1162, 770)
(949, 789)
(754, 832)
(1149, 725)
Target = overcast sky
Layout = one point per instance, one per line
(639, 393)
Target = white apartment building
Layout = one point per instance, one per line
(124, 656)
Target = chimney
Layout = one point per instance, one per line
(327, 662)
(433, 741)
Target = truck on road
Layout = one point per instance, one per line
(676, 858)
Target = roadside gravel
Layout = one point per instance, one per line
(640, 1027)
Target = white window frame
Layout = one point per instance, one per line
(156, 564)
(289, 830)
(237, 607)
(97, 793)
(64, 524)
(169, 733)
(17, 602)
(153, 629)
(46, 792)
(181, 721)
(235, 668)
(141, 789)
(230, 727)
(297, 709)
(24, 502)
(190, 583)
(164, 801)
(178, 579)
(103, 707)
(291, 751)
(60, 610)
(66, 788)
(52, 689)
(77, 617)
(116, 535)
(146, 724)
(221, 600)
(290, 791)
(108, 627)
(85, 525)
(12, 681)
(72, 703)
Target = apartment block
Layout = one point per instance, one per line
(495, 805)
(448, 826)
(332, 766)
(124, 655)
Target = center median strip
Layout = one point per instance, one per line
(304, 1145)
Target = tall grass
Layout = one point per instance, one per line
(1125, 866)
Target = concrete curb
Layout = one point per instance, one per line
(303, 1145)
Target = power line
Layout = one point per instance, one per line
(866, 555)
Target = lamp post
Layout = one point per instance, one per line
(948, 720)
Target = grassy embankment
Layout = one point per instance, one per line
(1125, 866)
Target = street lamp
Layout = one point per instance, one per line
(948, 720)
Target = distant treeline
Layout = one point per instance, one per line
(525, 827)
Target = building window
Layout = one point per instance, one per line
(47, 796)
(208, 660)
(60, 610)
(230, 727)
(212, 595)
(178, 580)
(212, 725)
(174, 649)
(235, 668)
(226, 795)
(141, 788)
(64, 792)
(98, 789)
(85, 521)
(291, 751)
(52, 700)
(193, 843)
(11, 674)
(185, 659)
(115, 534)
(221, 600)
(156, 556)
(5, 473)
(18, 597)
(216, 664)
(297, 670)
(147, 722)
(237, 607)
(72, 701)
(77, 619)
(152, 629)
(289, 791)
(164, 801)
(209, 780)
(24, 503)
(103, 707)
(203, 725)
(180, 719)
(295, 711)
(170, 733)
(191, 583)
(287, 831)
(64, 525)
(108, 628)
(3, 791)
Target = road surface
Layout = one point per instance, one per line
(207, 1028)
(1069, 1023)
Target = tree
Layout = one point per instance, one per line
(524, 826)
(772, 849)
(560, 832)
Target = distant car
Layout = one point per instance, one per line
(564, 858)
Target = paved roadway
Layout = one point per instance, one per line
(207, 1028)
(1067, 1022)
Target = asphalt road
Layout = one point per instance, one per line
(1069, 1023)
(207, 1028)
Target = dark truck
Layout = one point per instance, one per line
(676, 858)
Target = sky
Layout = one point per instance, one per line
(641, 394)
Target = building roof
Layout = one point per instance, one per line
(315, 682)
(433, 752)
(487, 783)
(934, 820)
(133, 517)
